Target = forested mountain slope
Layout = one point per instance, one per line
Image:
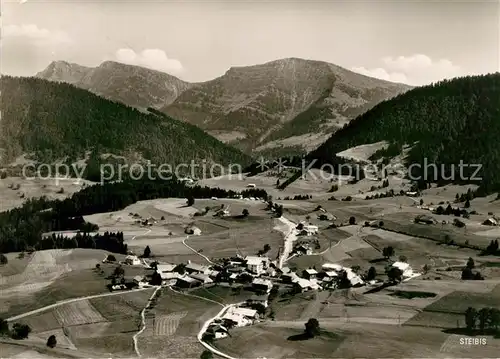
(55, 120)
(448, 122)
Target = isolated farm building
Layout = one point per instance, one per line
(259, 299)
(244, 312)
(231, 319)
(169, 278)
(263, 285)
(219, 331)
(223, 212)
(310, 274)
(326, 217)
(412, 194)
(197, 268)
(192, 230)
(132, 260)
(203, 278)
(165, 268)
(256, 264)
(424, 219)
(187, 282)
(404, 267)
(251, 185)
(490, 222)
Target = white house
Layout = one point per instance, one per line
(408, 272)
(240, 316)
(354, 278)
(132, 260)
(219, 331)
(256, 264)
(259, 299)
(169, 278)
(310, 229)
(237, 320)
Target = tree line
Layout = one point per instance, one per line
(483, 320)
(55, 120)
(109, 241)
(22, 228)
(446, 123)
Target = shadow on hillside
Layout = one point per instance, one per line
(379, 288)
(298, 337)
(378, 260)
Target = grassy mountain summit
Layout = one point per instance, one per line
(291, 103)
(447, 122)
(280, 102)
(134, 86)
(58, 119)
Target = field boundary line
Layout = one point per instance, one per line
(143, 322)
(194, 250)
(55, 305)
(207, 323)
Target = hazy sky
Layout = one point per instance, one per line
(416, 42)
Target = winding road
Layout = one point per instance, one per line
(143, 323)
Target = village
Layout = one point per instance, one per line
(257, 274)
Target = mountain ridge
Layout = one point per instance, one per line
(289, 103)
(134, 86)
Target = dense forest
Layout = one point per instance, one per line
(22, 228)
(446, 123)
(57, 120)
(109, 241)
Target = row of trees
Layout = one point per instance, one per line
(482, 320)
